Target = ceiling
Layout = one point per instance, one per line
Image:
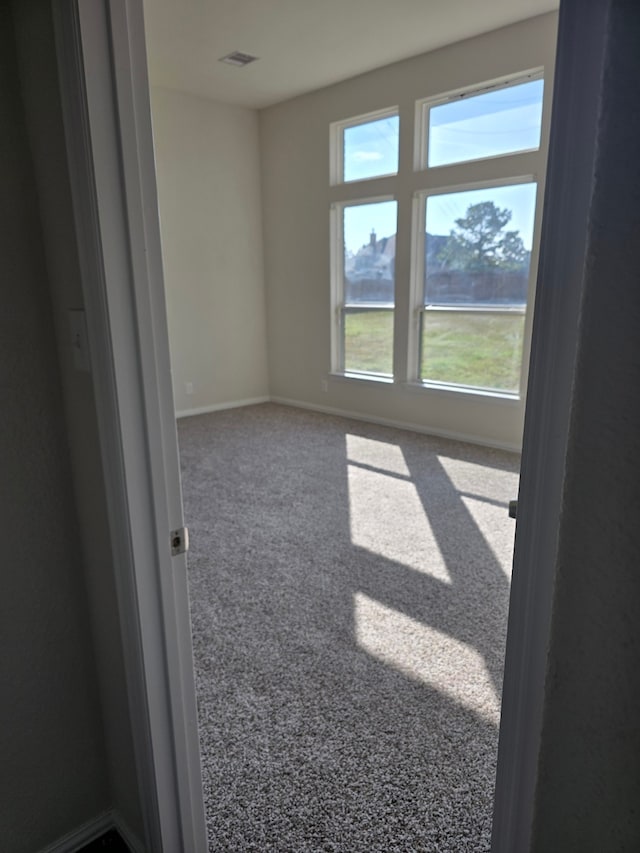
(304, 45)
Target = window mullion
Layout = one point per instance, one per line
(383, 310)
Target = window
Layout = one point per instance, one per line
(465, 275)
(504, 120)
(477, 258)
(365, 147)
(367, 286)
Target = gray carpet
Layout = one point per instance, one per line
(349, 590)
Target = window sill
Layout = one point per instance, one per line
(430, 387)
(361, 377)
(498, 396)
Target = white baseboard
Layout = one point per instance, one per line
(93, 829)
(128, 835)
(84, 834)
(424, 430)
(218, 407)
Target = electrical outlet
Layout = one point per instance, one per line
(325, 385)
(188, 387)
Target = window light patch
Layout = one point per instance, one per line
(421, 652)
(388, 518)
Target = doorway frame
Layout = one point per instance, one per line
(582, 34)
(104, 89)
(102, 62)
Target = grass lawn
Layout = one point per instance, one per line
(481, 350)
(368, 341)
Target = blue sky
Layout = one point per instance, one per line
(360, 219)
(442, 211)
(498, 122)
(371, 149)
(520, 199)
(492, 123)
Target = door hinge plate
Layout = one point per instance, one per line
(179, 541)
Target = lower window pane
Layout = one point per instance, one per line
(475, 349)
(368, 341)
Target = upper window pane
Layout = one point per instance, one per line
(369, 232)
(503, 121)
(478, 246)
(371, 149)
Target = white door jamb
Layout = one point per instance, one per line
(572, 151)
(105, 95)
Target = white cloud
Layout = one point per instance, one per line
(366, 155)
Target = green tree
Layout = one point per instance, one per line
(479, 242)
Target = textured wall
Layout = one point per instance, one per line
(589, 783)
(53, 764)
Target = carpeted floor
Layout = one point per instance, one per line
(349, 588)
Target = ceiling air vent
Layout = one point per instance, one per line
(238, 58)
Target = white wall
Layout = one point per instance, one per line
(296, 198)
(208, 171)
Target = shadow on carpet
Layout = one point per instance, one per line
(349, 588)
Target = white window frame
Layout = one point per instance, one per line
(424, 105)
(338, 302)
(412, 184)
(419, 308)
(336, 145)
